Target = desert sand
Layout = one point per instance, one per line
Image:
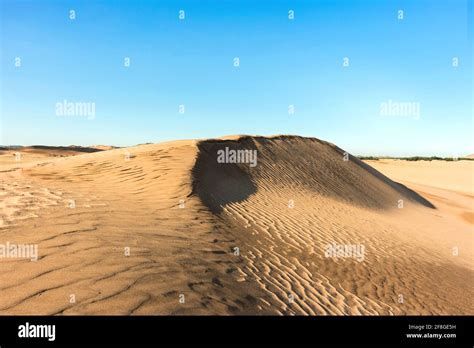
(166, 229)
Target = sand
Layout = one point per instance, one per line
(165, 229)
(454, 176)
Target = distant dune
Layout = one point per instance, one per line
(170, 229)
(40, 152)
(104, 147)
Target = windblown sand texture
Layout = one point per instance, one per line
(181, 215)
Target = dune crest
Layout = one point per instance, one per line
(295, 162)
(167, 229)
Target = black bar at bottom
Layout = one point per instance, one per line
(197, 330)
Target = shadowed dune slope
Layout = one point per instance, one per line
(166, 229)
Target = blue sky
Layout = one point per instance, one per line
(282, 62)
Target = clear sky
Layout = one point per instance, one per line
(283, 62)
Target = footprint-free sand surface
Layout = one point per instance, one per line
(167, 229)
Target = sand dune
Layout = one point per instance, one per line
(11, 156)
(166, 229)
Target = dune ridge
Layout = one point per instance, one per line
(224, 238)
